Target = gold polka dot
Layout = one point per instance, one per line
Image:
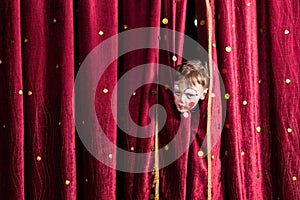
(289, 130)
(67, 182)
(54, 20)
(287, 81)
(3, 126)
(20, 92)
(262, 30)
(212, 157)
(0, 61)
(29, 93)
(83, 122)
(105, 90)
(228, 49)
(165, 21)
(227, 125)
(258, 129)
(86, 180)
(294, 178)
(248, 4)
(214, 44)
(226, 153)
(59, 123)
(100, 32)
(242, 153)
(233, 25)
(200, 153)
(286, 31)
(167, 87)
(25, 40)
(12, 41)
(125, 26)
(110, 156)
(245, 102)
(56, 66)
(258, 175)
(38, 158)
(174, 58)
(132, 148)
(185, 115)
(227, 96)
(152, 148)
(259, 81)
(134, 93)
(153, 91)
(151, 196)
(166, 147)
(202, 22)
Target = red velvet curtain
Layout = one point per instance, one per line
(42, 46)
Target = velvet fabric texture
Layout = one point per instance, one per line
(255, 47)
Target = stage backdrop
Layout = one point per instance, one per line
(42, 46)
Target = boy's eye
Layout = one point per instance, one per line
(177, 93)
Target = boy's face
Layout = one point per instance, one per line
(186, 95)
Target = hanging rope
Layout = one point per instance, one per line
(209, 105)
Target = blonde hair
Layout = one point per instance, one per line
(194, 72)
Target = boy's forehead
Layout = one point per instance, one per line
(183, 83)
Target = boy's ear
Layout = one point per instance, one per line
(202, 97)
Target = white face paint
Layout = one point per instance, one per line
(186, 96)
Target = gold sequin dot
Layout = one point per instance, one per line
(286, 31)
(200, 153)
(227, 96)
(294, 178)
(202, 22)
(20, 92)
(287, 81)
(245, 102)
(227, 125)
(54, 20)
(228, 49)
(262, 30)
(185, 115)
(67, 182)
(152, 148)
(0, 61)
(212, 157)
(86, 180)
(100, 32)
(153, 91)
(167, 87)
(166, 147)
(165, 21)
(110, 156)
(213, 95)
(125, 26)
(132, 148)
(3, 126)
(25, 40)
(248, 4)
(83, 122)
(59, 123)
(151, 196)
(226, 153)
(258, 129)
(233, 25)
(38, 158)
(134, 93)
(29, 93)
(243, 153)
(56, 66)
(105, 90)
(259, 81)
(289, 130)
(174, 58)
(258, 175)
(214, 44)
